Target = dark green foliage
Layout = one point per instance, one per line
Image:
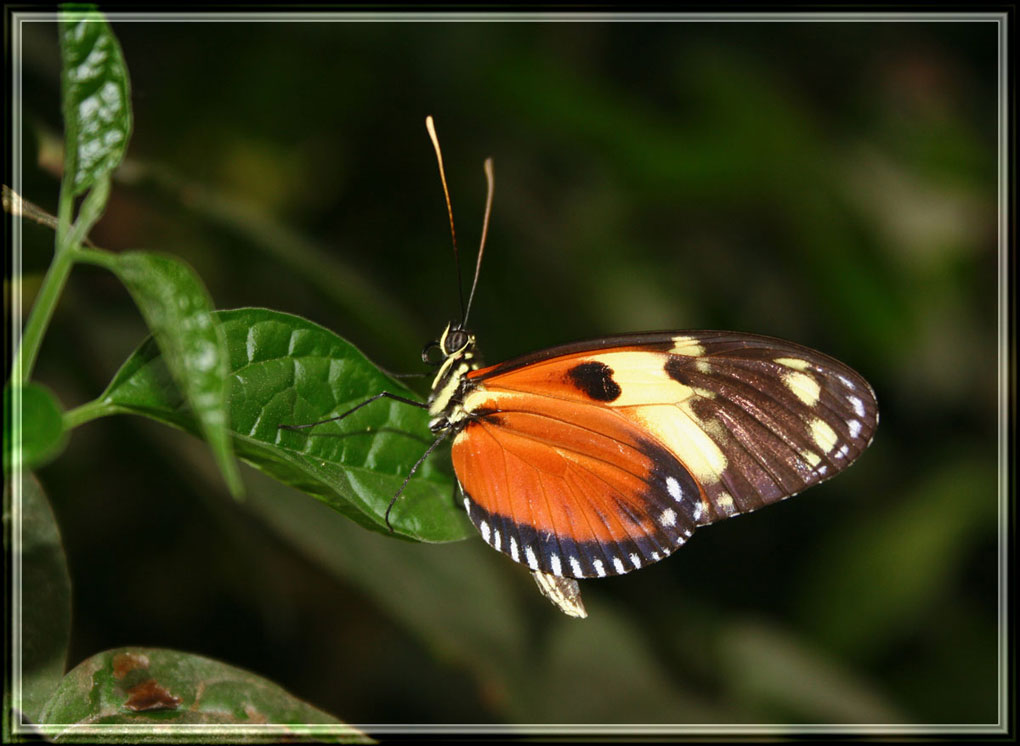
(179, 312)
(45, 593)
(41, 435)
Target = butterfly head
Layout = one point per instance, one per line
(456, 340)
(455, 355)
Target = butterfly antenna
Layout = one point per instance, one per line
(431, 127)
(485, 232)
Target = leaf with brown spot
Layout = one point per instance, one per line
(132, 695)
(149, 695)
(125, 663)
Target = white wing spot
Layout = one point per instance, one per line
(822, 469)
(467, 506)
(855, 428)
(484, 528)
(793, 362)
(668, 517)
(635, 560)
(823, 435)
(803, 386)
(673, 487)
(811, 457)
(597, 564)
(618, 564)
(842, 452)
(846, 381)
(655, 556)
(497, 540)
(513, 550)
(857, 404)
(575, 567)
(554, 560)
(532, 559)
(698, 510)
(684, 345)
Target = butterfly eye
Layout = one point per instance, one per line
(455, 340)
(427, 355)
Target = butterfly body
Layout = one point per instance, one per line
(458, 349)
(599, 458)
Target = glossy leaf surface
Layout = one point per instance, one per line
(96, 93)
(179, 312)
(286, 370)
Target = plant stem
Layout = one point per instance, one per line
(86, 412)
(68, 248)
(46, 301)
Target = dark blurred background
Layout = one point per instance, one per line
(830, 183)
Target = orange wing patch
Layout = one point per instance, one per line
(571, 489)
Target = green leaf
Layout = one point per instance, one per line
(287, 370)
(44, 588)
(140, 694)
(96, 98)
(179, 312)
(34, 430)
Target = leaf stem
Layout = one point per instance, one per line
(87, 412)
(98, 257)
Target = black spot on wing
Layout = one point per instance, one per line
(595, 379)
(678, 368)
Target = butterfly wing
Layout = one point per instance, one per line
(571, 489)
(598, 458)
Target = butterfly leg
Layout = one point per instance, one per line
(352, 410)
(410, 474)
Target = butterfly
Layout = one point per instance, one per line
(599, 458)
